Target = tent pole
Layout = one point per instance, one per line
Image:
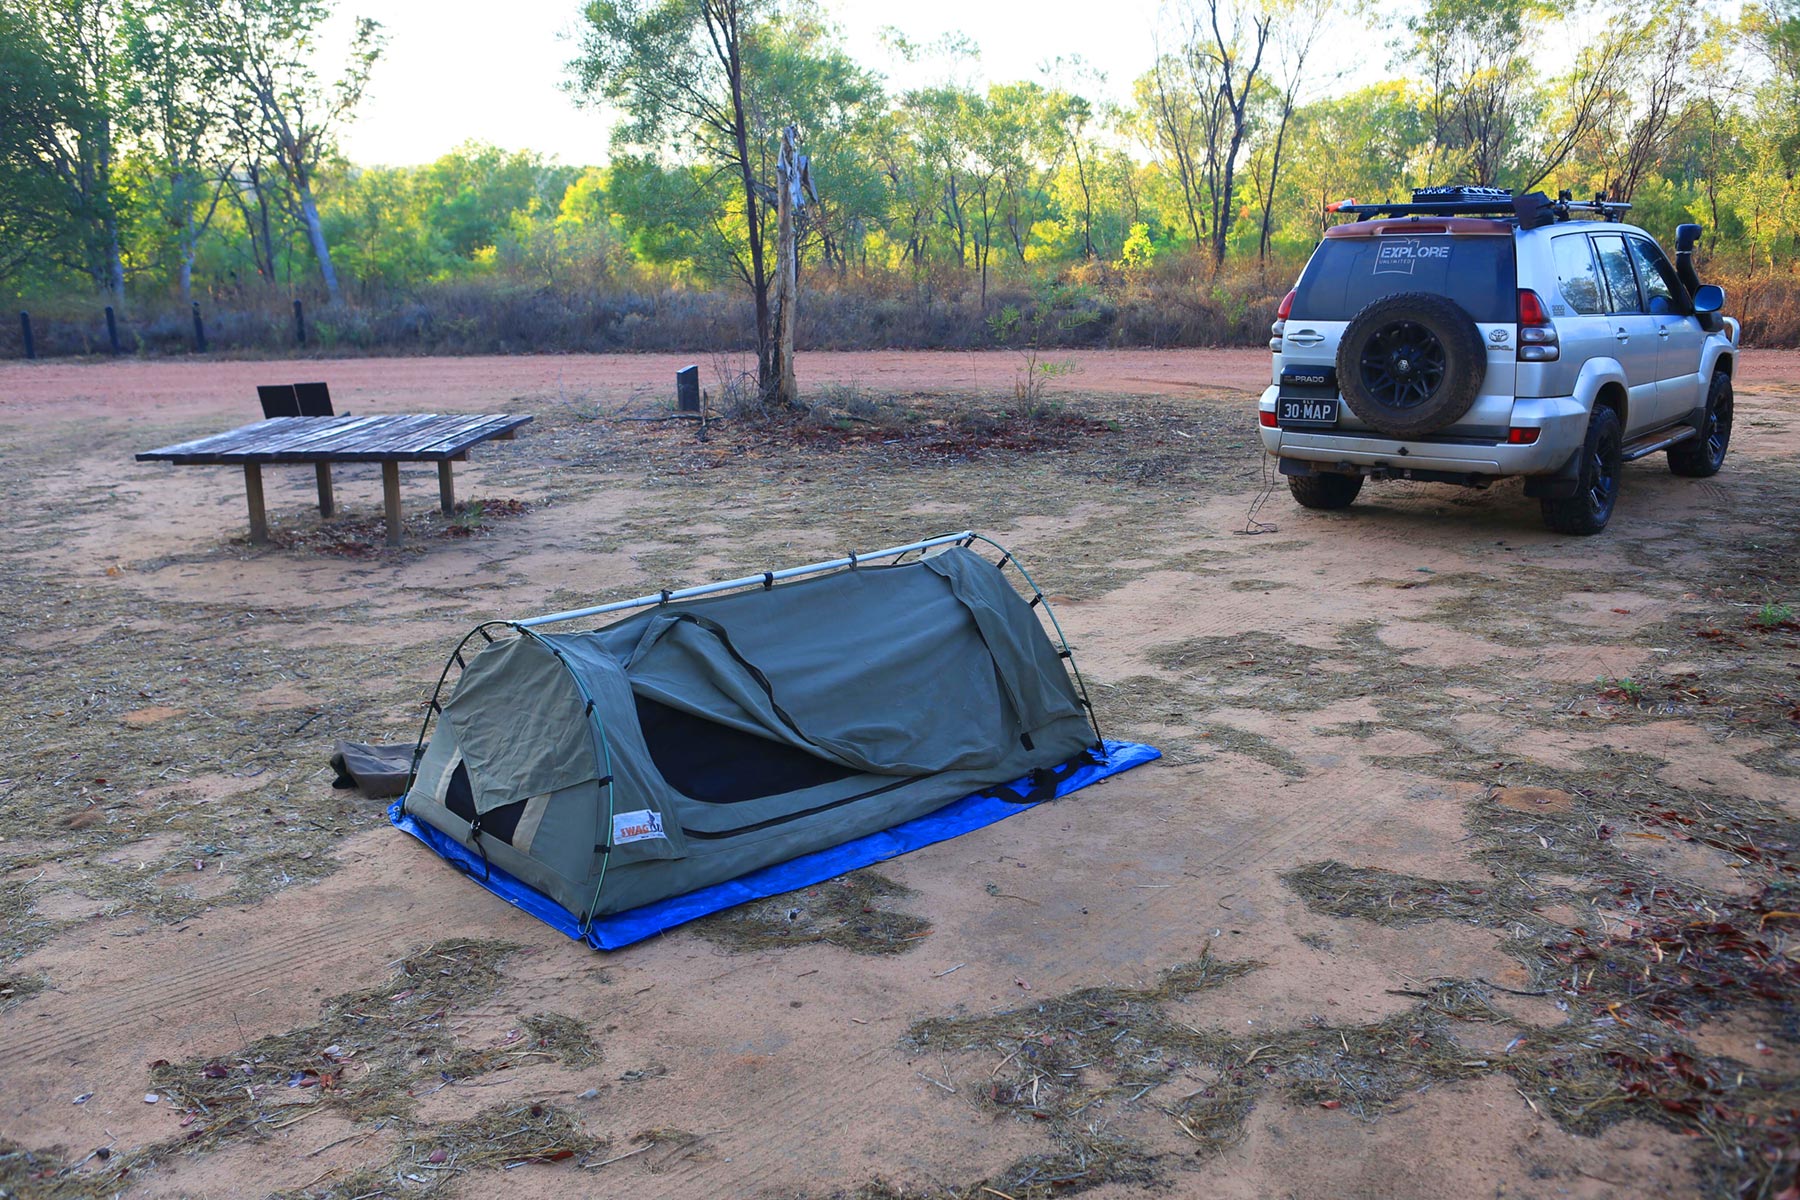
(707, 589)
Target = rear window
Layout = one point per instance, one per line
(1346, 274)
(1575, 276)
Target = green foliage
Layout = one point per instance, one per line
(1138, 250)
(141, 140)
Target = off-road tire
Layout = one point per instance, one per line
(1411, 363)
(1701, 456)
(1597, 489)
(1325, 490)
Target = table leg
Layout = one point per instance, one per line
(390, 494)
(259, 521)
(325, 504)
(446, 489)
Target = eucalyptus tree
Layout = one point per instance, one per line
(268, 50)
(60, 103)
(178, 108)
(1233, 57)
(1298, 27)
(35, 217)
(704, 88)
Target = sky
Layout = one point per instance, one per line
(457, 69)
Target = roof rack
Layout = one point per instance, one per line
(1530, 210)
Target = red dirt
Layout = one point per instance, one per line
(790, 1063)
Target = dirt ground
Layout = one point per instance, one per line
(1468, 870)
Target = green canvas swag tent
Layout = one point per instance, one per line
(702, 738)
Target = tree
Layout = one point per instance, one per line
(1472, 55)
(179, 109)
(1297, 30)
(266, 47)
(1653, 87)
(713, 82)
(60, 104)
(1172, 120)
(1227, 56)
(1763, 189)
(677, 67)
(34, 220)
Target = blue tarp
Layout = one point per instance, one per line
(622, 929)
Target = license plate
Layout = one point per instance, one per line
(1291, 411)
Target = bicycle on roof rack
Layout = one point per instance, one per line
(1532, 210)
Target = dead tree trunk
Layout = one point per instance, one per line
(793, 183)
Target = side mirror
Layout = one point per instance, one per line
(1709, 299)
(1686, 238)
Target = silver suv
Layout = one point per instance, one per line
(1473, 335)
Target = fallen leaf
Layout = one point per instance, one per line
(1331, 1104)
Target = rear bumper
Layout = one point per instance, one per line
(1560, 420)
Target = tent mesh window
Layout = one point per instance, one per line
(716, 764)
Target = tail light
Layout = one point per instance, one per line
(1537, 336)
(1522, 436)
(1281, 316)
(1267, 419)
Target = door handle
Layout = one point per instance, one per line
(1662, 331)
(1621, 334)
(1306, 337)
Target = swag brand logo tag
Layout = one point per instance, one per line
(1399, 256)
(637, 826)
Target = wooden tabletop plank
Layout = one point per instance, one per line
(401, 437)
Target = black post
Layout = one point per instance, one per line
(112, 329)
(299, 324)
(199, 331)
(687, 390)
(25, 328)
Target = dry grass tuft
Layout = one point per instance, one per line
(362, 1059)
(504, 1135)
(849, 912)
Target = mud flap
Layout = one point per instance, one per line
(1562, 483)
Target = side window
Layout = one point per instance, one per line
(1621, 280)
(1575, 275)
(1657, 275)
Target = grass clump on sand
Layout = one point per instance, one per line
(849, 912)
(16, 989)
(1083, 1159)
(499, 1137)
(1638, 965)
(1051, 1052)
(1391, 898)
(361, 1059)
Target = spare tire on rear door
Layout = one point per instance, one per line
(1411, 363)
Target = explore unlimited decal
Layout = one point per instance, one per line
(1398, 256)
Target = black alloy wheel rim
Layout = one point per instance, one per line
(1402, 365)
(1718, 430)
(1604, 468)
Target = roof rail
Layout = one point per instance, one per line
(1530, 210)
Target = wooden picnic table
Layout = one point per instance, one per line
(388, 440)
